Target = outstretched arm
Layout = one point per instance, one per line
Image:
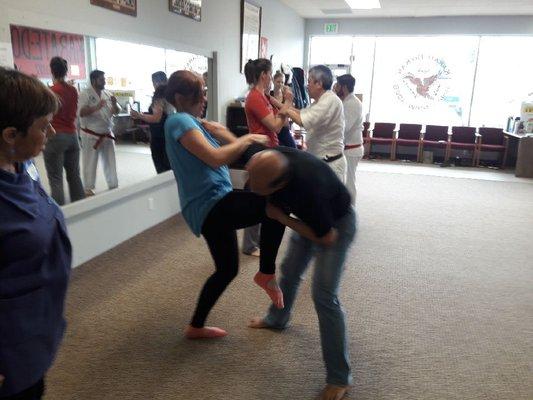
(196, 143)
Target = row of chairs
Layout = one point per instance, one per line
(437, 137)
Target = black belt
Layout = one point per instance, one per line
(329, 159)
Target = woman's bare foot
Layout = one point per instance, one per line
(269, 284)
(333, 392)
(257, 323)
(207, 332)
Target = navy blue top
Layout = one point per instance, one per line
(314, 193)
(35, 261)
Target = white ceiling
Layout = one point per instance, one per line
(411, 8)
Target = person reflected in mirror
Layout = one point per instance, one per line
(205, 77)
(208, 202)
(63, 150)
(157, 114)
(35, 251)
(97, 107)
(307, 196)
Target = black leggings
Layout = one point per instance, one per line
(234, 211)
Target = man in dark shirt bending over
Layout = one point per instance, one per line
(300, 184)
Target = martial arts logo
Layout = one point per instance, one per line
(422, 81)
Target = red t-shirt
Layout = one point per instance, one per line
(64, 120)
(258, 107)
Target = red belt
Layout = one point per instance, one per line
(101, 136)
(352, 146)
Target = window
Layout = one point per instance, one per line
(424, 79)
(129, 66)
(504, 79)
(362, 68)
(447, 80)
(330, 50)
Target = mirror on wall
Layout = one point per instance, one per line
(129, 78)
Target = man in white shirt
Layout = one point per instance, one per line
(353, 131)
(323, 120)
(96, 109)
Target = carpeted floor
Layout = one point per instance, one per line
(437, 291)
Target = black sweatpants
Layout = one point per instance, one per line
(34, 392)
(234, 211)
(159, 154)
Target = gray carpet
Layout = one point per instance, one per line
(437, 291)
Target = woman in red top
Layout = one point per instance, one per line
(262, 118)
(259, 110)
(63, 150)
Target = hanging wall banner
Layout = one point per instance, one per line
(33, 48)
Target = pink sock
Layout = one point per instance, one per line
(269, 284)
(207, 332)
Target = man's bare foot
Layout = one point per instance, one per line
(207, 332)
(257, 323)
(333, 392)
(255, 253)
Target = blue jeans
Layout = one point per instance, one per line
(329, 265)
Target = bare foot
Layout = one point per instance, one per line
(333, 392)
(269, 284)
(256, 253)
(257, 323)
(207, 332)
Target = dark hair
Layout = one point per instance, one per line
(322, 74)
(95, 75)
(159, 92)
(159, 77)
(23, 99)
(59, 67)
(185, 83)
(346, 80)
(254, 68)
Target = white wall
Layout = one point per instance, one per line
(100, 223)
(475, 25)
(154, 25)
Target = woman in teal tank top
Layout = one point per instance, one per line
(209, 204)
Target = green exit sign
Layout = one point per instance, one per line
(331, 28)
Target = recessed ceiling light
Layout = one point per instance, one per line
(363, 4)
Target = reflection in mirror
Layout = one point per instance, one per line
(127, 100)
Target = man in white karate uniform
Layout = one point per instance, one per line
(96, 108)
(353, 131)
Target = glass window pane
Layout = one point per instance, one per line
(330, 50)
(362, 64)
(504, 79)
(426, 80)
(178, 60)
(129, 66)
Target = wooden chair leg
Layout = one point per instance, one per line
(504, 160)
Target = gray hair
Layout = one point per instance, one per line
(322, 74)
